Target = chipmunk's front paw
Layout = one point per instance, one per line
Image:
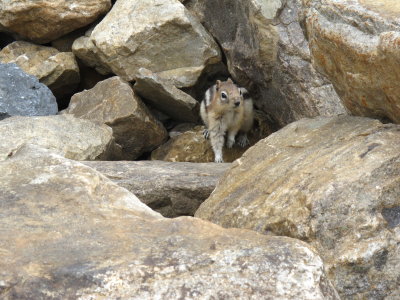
(219, 159)
(206, 134)
(243, 141)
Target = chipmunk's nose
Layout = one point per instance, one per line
(237, 103)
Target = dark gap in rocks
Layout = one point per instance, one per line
(210, 75)
(392, 216)
(4, 116)
(5, 40)
(380, 259)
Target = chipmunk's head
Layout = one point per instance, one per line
(229, 93)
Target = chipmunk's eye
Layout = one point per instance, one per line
(240, 92)
(224, 96)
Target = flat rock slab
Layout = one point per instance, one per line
(21, 94)
(159, 35)
(165, 97)
(356, 45)
(58, 70)
(43, 21)
(68, 232)
(66, 135)
(172, 189)
(114, 103)
(333, 182)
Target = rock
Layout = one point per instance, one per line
(357, 47)
(70, 233)
(58, 70)
(333, 182)
(22, 94)
(43, 21)
(165, 97)
(65, 135)
(114, 103)
(172, 189)
(268, 53)
(159, 35)
(64, 43)
(191, 146)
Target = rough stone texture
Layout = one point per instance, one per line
(68, 136)
(114, 103)
(58, 70)
(191, 146)
(356, 44)
(67, 232)
(158, 35)
(43, 21)
(333, 182)
(22, 94)
(172, 189)
(165, 97)
(267, 52)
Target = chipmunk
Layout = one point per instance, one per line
(226, 108)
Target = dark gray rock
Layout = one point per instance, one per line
(22, 94)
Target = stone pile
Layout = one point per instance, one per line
(86, 87)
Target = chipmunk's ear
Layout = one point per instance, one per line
(229, 80)
(218, 84)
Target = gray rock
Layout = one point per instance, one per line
(172, 189)
(165, 97)
(22, 94)
(67, 232)
(333, 182)
(62, 134)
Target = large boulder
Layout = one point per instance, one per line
(65, 135)
(114, 103)
(356, 44)
(165, 97)
(267, 51)
(67, 232)
(333, 182)
(22, 94)
(43, 21)
(58, 70)
(172, 189)
(160, 35)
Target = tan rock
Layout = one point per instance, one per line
(357, 48)
(267, 52)
(158, 35)
(172, 189)
(191, 146)
(65, 135)
(58, 70)
(43, 21)
(165, 97)
(114, 103)
(333, 182)
(70, 233)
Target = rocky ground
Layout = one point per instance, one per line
(103, 163)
